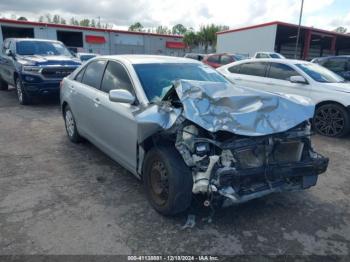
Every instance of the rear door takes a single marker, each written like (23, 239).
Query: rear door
(117, 127)
(86, 99)
(278, 76)
(251, 74)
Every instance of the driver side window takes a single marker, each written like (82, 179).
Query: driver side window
(116, 77)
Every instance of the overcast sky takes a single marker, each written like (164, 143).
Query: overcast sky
(326, 14)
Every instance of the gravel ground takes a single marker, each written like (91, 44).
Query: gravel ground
(60, 198)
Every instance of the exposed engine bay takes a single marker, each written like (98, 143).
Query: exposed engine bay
(234, 159)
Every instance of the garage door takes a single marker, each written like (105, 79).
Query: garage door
(20, 32)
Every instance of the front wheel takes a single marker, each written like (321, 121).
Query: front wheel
(167, 180)
(23, 98)
(331, 120)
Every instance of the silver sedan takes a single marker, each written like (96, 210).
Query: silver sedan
(185, 130)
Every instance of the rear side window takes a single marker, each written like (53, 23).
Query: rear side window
(79, 76)
(214, 59)
(235, 69)
(281, 71)
(116, 77)
(93, 73)
(253, 69)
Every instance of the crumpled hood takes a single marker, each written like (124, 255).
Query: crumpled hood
(224, 107)
(39, 60)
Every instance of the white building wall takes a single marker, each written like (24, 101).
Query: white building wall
(116, 42)
(248, 41)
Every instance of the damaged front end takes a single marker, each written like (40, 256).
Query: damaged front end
(240, 144)
(236, 168)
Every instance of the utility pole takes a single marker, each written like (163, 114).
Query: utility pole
(99, 21)
(298, 34)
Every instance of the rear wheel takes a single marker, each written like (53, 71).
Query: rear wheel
(71, 127)
(23, 98)
(332, 120)
(167, 180)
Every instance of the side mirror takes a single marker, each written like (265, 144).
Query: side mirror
(8, 52)
(121, 96)
(298, 80)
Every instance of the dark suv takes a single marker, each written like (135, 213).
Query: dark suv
(34, 66)
(338, 64)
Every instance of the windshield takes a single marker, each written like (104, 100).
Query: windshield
(275, 56)
(156, 79)
(320, 74)
(41, 48)
(86, 57)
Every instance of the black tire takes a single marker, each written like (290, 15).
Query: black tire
(176, 194)
(3, 85)
(71, 127)
(22, 96)
(331, 120)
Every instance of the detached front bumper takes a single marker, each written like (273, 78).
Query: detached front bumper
(258, 182)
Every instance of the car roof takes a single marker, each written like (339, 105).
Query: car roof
(33, 39)
(81, 53)
(151, 59)
(281, 61)
(332, 56)
(265, 52)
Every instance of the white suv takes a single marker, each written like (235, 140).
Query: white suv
(327, 90)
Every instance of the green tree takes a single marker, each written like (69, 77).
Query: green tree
(207, 35)
(56, 19)
(84, 22)
(22, 18)
(63, 21)
(179, 29)
(191, 40)
(73, 21)
(340, 29)
(93, 23)
(41, 19)
(48, 18)
(163, 30)
(136, 27)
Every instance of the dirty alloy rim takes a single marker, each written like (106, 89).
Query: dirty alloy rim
(159, 183)
(19, 91)
(329, 121)
(70, 126)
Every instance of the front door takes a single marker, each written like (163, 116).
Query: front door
(117, 126)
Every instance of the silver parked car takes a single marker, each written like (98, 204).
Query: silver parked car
(184, 129)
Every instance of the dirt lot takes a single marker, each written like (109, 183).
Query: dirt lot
(61, 198)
